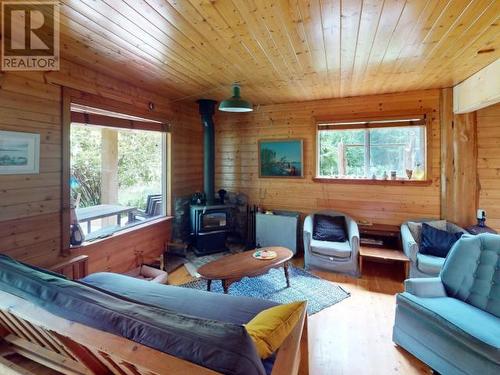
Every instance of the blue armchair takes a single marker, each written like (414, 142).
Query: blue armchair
(423, 265)
(452, 322)
(333, 256)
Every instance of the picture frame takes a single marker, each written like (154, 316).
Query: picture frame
(19, 153)
(281, 158)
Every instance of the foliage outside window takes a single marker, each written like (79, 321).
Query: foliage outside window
(357, 151)
(119, 167)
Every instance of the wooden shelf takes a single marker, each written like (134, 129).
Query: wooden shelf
(382, 255)
(368, 181)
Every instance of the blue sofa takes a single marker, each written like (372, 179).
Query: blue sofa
(452, 322)
(200, 327)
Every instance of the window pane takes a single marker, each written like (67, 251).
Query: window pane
(341, 152)
(362, 153)
(396, 149)
(116, 177)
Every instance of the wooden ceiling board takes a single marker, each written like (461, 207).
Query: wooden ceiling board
(129, 38)
(281, 50)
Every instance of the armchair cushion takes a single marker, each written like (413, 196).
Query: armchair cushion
(429, 264)
(416, 228)
(475, 328)
(437, 242)
(425, 287)
(331, 249)
(329, 228)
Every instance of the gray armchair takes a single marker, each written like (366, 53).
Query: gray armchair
(333, 256)
(423, 265)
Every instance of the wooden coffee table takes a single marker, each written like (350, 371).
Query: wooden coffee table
(232, 268)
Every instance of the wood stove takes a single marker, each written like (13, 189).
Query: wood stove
(210, 222)
(209, 227)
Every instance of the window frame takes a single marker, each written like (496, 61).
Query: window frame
(75, 97)
(369, 121)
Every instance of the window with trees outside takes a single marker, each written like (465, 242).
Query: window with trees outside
(117, 175)
(389, 149)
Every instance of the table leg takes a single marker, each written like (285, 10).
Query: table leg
(89, 227)
(209, 285)
(360, 266)
(119, 219)
(407, 270)
(225, 286)
(287, 277)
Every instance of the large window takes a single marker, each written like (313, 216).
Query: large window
(392, 149)
(117, 176)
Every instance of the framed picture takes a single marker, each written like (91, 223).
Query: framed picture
(281, 158)
(19, 153)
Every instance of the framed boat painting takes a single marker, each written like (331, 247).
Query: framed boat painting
(281, 158)
(19, 153)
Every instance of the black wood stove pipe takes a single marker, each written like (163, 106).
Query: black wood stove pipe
(207, 110)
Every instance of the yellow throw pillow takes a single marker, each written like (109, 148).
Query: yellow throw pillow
(269, 328)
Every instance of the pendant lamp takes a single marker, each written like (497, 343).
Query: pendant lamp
(235, 103)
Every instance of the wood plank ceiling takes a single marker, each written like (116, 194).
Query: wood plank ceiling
(282, 51)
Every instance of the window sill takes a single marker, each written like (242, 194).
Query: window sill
(361, 181)
(123, 232)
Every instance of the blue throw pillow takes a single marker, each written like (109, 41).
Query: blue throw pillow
(329, 228)
(437, 242)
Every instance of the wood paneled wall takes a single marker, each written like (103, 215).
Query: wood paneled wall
(488, 139)
(237, 158)
(30, 205)
(30, 226)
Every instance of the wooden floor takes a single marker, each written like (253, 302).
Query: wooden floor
(354, 336)
(351, 337)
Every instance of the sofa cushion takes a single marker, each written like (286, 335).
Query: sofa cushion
(331, 249)
(329, 228)
(437, 242)
(429, 264)
(416, 228)
(475, 328)
(223, 347)
(215, 306)
(471, 272)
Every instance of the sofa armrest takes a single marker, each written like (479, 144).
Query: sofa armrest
(308, 229)
(425, 287)
(410, 247)
(353, 233)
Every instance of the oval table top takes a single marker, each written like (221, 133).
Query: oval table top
(237, 266)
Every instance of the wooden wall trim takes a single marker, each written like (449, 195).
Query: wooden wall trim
(109, 121)
(459, 178)
(446, 150)
(65, 161)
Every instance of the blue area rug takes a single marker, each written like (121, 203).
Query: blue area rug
(319, 293)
